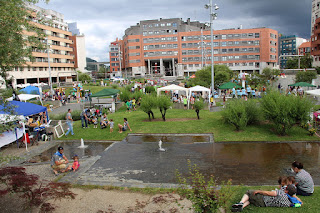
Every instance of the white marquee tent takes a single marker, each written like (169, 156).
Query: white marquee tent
(25, 97)
(199, 89)
(173, 87)
(315, 92)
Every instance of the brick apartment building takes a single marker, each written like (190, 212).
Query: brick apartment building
(61, 58)
(304, 48)
(172, 47)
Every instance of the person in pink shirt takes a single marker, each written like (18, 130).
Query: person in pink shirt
(75, 164)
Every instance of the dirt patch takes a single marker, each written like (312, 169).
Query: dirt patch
(170, 119)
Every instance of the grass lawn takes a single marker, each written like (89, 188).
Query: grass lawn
(310, 204)
(184, 121)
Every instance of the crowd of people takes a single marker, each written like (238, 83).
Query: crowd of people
(285, 195)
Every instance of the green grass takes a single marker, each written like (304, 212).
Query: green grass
(210, 122)
(310, 204)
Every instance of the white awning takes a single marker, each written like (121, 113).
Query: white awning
(25, 97)
(172, 87)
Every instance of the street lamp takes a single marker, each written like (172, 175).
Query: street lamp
(213, 16)
(50, 80)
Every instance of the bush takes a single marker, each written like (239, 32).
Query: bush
(150, 89)
(198, 105)
(306, 76)
(125, 95)
(114, 86)
(253, 111)
(203, 193)
(75, 116)
(136, 95)
(285, 111)
(148, 103)
(235, 113)
(14, 180)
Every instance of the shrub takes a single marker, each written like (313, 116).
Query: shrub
(253, 111)
(163, 103)
(114, 86)
(150, 89)
(285, 111)
(203, 194)
(235, 113)
(148, 103)
(75, 116)
(125, 95)
(306, 76)
(15, 180)
(136, 95)
(198, 105)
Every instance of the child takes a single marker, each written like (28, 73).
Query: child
(291, 181)
(75, 164)
(283, 182)
(111, 125)
(95, 122)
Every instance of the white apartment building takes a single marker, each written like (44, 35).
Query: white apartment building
(60, 56)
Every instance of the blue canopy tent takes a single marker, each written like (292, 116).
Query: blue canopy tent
(24, 108)
(31, 90)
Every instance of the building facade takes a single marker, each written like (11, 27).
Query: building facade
(116, 58)
(289, 46)
(60, 56)
(79, 48)
(315, 14)
(315, 43)
(173, 47)
(304, 48)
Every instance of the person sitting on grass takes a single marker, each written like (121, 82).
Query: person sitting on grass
(276, 198)
(104, 121)
(304, 181)
(59, 161)
(125, 126)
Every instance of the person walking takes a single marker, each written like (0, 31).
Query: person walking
(69, 123)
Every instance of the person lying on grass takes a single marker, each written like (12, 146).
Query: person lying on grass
(276, 198)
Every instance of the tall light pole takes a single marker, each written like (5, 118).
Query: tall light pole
(213, 16)
(50, 80)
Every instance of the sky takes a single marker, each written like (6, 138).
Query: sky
(102, 21)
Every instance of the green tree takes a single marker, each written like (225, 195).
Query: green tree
(148, 103)
(292, 63)
(222, 74)
(285, 111)
(198, 105)
(15, 47)
(163, 103)
(305, 76)
(83, 77)
(270, 74)
(125, 95)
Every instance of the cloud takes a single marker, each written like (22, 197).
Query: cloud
(103, 21)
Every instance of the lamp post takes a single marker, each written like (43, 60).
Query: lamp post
(213, 16)
(50, 79)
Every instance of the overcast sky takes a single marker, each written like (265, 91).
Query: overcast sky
(102, 21)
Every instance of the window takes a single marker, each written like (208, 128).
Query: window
(144, 26)
(162, 24)
(230, 35)
(244, 49)
(236, 49)
(224, 44)
(215, 58)
(190, 65)
(257, 35)
(156, 25)
(169, 38)
(236, 43)
(175, 45)
(163, 53)
(250, 34)
(163, 39)
(230, 50)
(215, 51)
(168, 24)
(244, 35)
(150, 39)
(230, 57)
(174, 24)
(184, 45)
(156, 32)
(224, 50)
(236, 57)
(184, 52)
(163, 46)
(150, 25)
(215, 44)
(230, 43)
(144, 33)
(169, 45)
(145, 40)
(196, 51)
(256, 42)
(223, 36)
(156, 39)
(174, 38)
(157, 46)
(190, 52)
(150, 32)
